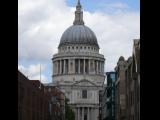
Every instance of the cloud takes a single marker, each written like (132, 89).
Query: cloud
(118, 5)
(115, 34)
(114, 8)
(40, 25)
(44, 78)
(42, 22)
(33, 72)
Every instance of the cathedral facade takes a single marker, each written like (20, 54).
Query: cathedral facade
(78, 68)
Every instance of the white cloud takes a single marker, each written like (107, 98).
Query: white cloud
(118, 5)
(40, 27)
(42, 22)
(114, 7)
(33, 72)
(115, 34)
(44, 78)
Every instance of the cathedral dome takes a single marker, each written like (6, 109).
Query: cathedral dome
(78, 34)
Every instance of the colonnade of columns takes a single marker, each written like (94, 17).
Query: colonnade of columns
(78, 66)
(85, 113)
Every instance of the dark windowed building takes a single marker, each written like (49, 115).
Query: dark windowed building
(108, 97)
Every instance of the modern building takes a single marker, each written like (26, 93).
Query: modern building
(111, 78)
(78, 68)
(108, 98)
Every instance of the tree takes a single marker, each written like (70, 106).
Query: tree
(69, 114)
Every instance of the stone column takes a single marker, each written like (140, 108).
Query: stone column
(64, 67)
(69, 66)
(55, 67)
(91, 114)
(103, 67)
(79, 66)
(94, 66)
(88, 65)
(100, 67)
(78, 114)
(74, 71)
(88, 114)
(97, 66)
(60, 67)
(84, 66)
(82, 113)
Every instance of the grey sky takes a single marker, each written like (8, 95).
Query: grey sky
(42, 22)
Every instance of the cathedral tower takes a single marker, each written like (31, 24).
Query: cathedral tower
(78, 68)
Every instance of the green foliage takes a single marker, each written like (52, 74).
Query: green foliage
(68, 111)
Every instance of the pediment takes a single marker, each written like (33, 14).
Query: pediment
(84, 83)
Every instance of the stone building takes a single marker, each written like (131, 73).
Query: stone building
(100, 104)
(33, 104)
(128, 86)
(78, 68)
(136, 76)
(120, 90)
(38, 102)
(104, 102)
(57, 106)
(133, 83)
(129, 90)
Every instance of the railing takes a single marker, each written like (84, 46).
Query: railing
(78, 54)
